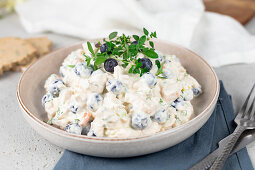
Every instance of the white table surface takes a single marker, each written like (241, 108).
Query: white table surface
(22, 148)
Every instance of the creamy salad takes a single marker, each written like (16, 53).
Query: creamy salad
(99, 92)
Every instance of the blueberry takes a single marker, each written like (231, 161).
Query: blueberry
(196, 91)
(160, 116)
(104, 48)
(82, 70)
(85, 130)
(178, 101)
(140, 121)
(46, 98)
(135, 42)
(97, 45)
(58, 81)
(55, 87)
(54, 90)
(109, 64)
(150, 79)
(146, 63)
(94, 101)
(61, 71)
(74, 128)
(114, 86)
(91, 133)
(74, 107)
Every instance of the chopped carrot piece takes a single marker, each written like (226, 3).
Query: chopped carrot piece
(85, 118)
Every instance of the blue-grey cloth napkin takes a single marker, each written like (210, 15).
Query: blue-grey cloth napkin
(179, 157)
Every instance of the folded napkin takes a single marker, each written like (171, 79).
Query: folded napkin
(219, 39)
(178, 157)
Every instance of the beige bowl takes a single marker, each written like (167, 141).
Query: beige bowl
(30, 91)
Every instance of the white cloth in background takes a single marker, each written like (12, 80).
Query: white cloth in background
(222, 40)
(219, 39)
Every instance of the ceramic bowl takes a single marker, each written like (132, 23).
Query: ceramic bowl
(30, 91)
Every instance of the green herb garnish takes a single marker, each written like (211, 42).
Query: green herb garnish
(88, 59)
(90, 49)
(157, 63)
(184, 112)
(72, 66)
(153, 34)
(100, 60)
(124, 114)
(124, 50)
(148, 98)
(136, 37)
(151, 53)
(160, 69)
(113, 35)
(77, 120)
(145, 31)
(59, 112)
(177, 118)
(151, 44)
(162, 76)
(142, 40)
(50, 122)
(168, 116)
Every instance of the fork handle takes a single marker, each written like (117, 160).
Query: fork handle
(221, 159)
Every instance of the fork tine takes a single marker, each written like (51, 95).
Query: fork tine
(249, 112)
(243, 109)
(252, 115)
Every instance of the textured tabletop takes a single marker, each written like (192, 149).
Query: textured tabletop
(22, 148)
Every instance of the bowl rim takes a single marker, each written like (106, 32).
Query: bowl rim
(62, 133)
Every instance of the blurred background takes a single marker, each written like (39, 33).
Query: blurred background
(242, 10)
(221, 31)
(212, 28)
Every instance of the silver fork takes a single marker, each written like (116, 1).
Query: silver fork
(244, 120)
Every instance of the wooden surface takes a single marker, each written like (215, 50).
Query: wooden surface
(241, 10)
